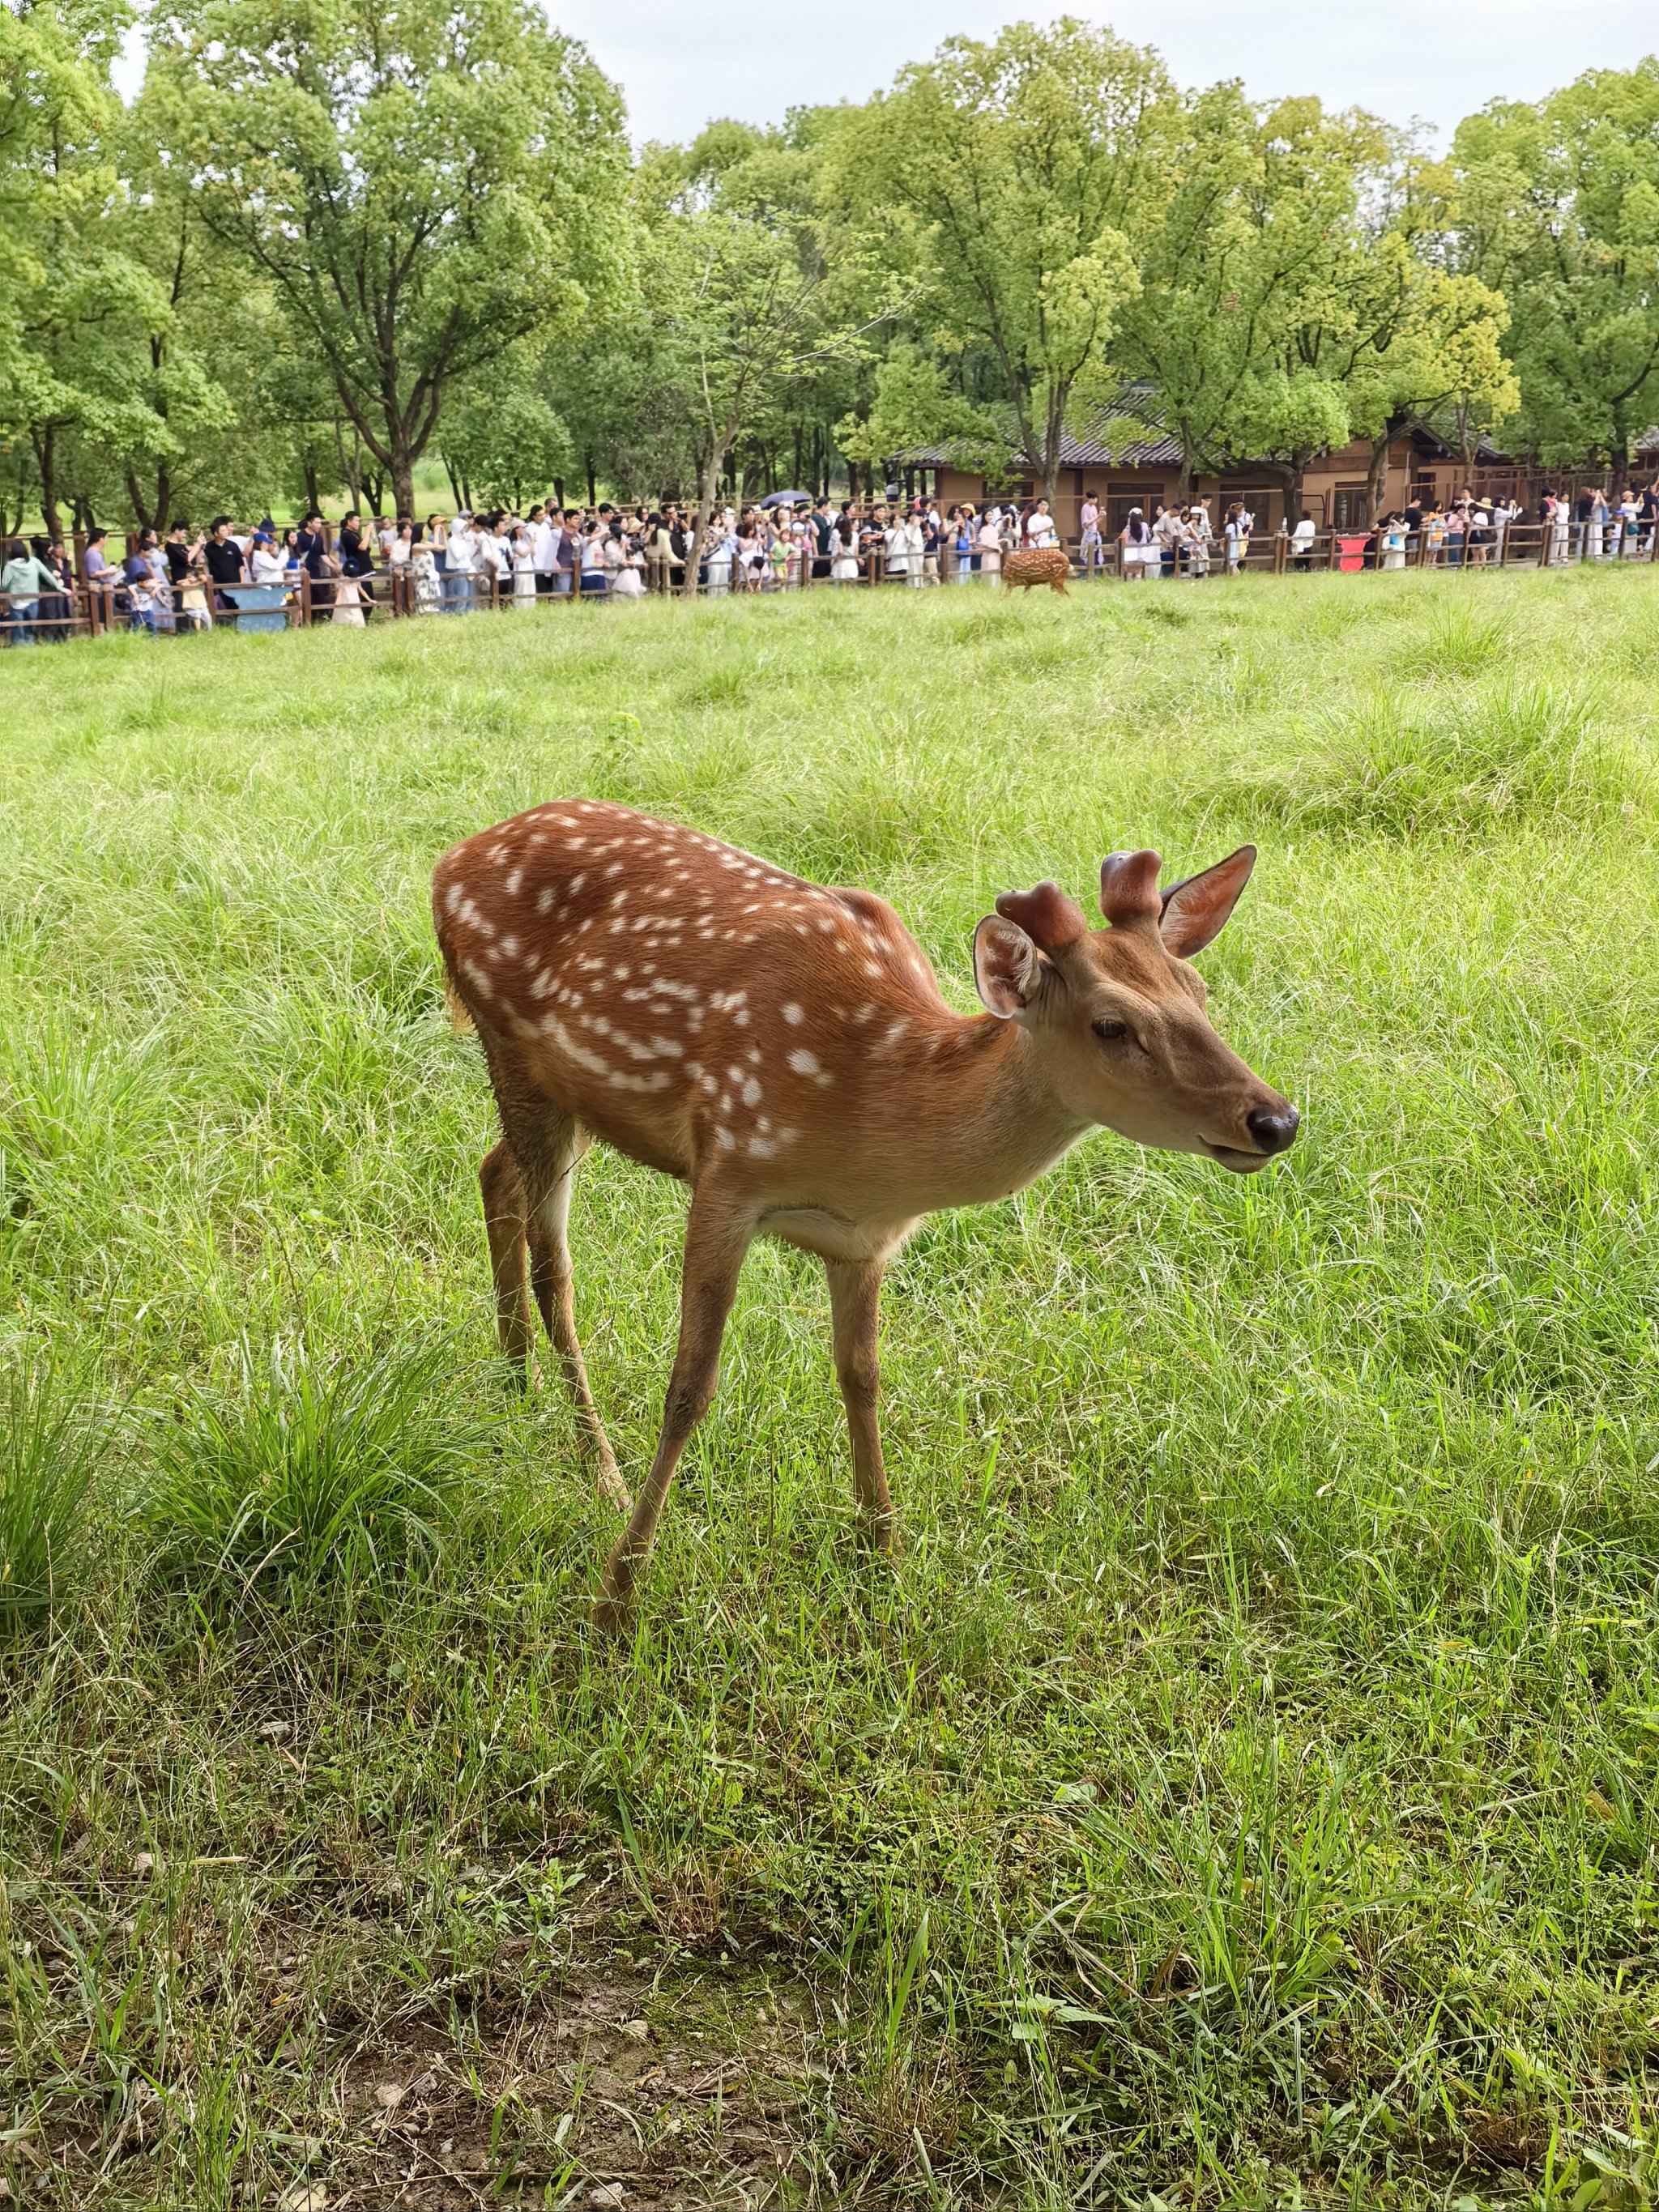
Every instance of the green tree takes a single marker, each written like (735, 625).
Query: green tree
(79, 313)
(421, 183)
(1248, 258)
(501, 443)
(1024, 172)
(753, 291)
(1559, 210)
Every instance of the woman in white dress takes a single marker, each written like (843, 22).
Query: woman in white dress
(916, 539)
(988, 540)
(1137, 549)
(629, 581)
(423, 574)
(843, 552)
(721, 551)
(524, 570)
(896, 550)
(1393, 542)
(347, 599)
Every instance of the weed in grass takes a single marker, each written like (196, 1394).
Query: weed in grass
(1407, 764)
(311, 1467)
(55, 1437)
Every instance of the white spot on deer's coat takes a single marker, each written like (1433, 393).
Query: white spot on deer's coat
(545, 899)
(726, 1140)
(751, 1092)
(760, 1149)
(560, 1032)
(807, 1063)
(452, 898)
(794, 1016)
(514, 881)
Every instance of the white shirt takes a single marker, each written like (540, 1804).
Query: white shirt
(1040, 530)
(268, 564)
(496, 552)
(896, 541)
(463, 549)
(1303, 532)
(543, 548)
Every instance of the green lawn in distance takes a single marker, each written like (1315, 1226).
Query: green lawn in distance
(1239, 1791)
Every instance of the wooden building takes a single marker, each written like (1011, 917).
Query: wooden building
(1335, 487)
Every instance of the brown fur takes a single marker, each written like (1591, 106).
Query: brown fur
(786, 1050)
(1048, 564)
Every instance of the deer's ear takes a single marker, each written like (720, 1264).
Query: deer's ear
(1008, 968)
(1197, 911)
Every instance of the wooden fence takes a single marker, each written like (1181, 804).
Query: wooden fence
(107, 606)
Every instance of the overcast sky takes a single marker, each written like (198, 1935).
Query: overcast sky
(681, 61)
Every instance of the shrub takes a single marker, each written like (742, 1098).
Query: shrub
(313, 1468)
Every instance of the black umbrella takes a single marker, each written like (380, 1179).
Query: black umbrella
(787, 499)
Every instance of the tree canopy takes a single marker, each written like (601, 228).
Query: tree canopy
(330, 237)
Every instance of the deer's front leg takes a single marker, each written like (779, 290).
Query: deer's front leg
(854, 1304)
(716, 1238)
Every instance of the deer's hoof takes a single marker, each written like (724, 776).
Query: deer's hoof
(613, 1614)
(611, 1487)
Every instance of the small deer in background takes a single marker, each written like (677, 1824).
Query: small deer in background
(1043, 564)
(786, 1051)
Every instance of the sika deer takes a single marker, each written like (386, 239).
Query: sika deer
(786, 1052)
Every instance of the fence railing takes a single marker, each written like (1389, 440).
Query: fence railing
(109, 604)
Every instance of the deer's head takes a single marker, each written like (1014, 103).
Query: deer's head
(1116, 1018)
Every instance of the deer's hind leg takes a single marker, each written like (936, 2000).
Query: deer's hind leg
(526, 1183)
(505, 1222)
(552, 1280)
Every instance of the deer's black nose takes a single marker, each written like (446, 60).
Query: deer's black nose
(1273, 1127)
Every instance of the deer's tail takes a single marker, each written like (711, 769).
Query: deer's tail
(455, 1006)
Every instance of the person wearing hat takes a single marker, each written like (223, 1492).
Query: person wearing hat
(267, 561)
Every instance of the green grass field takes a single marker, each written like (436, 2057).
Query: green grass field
(1240, 1790)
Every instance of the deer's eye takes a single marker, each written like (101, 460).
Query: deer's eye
(1109, 1032)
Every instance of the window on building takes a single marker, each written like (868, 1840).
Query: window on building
(1350, 508)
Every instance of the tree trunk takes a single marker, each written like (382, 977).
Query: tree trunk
(1288, 476)
(45, 460)
(314, 490)
(403, 480)
(707, 493)
(1376, 476)
(592, 485)
(558, 492)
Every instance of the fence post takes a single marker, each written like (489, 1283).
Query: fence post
(1330, 552)
(305, 599)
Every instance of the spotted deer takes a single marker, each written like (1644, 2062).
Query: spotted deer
(1041, 564)
(786, 1052)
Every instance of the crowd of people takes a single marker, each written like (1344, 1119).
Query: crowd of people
(185, 580)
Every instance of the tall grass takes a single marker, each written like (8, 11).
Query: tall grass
(1240, 1790)
(311, 1467)
(56, 1435)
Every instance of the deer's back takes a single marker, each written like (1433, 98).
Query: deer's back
(684, 999)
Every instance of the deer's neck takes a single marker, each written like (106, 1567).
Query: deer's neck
(973, 1114)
